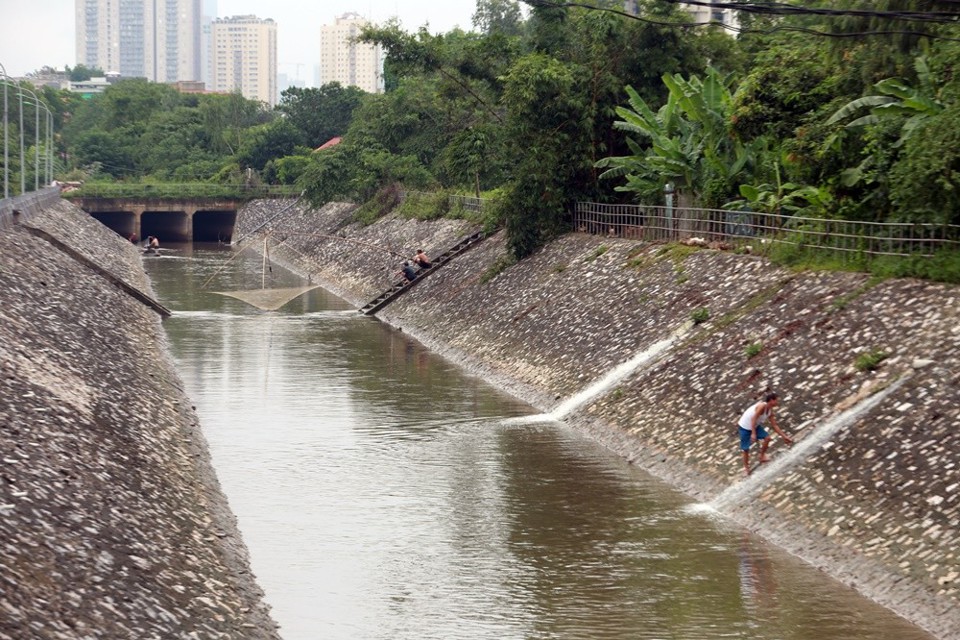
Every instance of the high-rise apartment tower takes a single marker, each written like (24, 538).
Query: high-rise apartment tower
(154, 39)
(350, 63)
(243, 57)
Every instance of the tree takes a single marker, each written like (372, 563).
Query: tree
(328, 175)
(82, 73)
(498, 16)
(136, 101)
(109, 151)
(227, 118)
(925, 181)
(549, 29)
(320, 114)
(789, 80)
(545, 127)
(269, 141)
(174, 141)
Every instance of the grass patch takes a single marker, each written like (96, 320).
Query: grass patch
(503, 263)
(596, 253)
(177, 191)
(751, 305)
(425, 206)
(637, 258)
(385, 201)
(870, 360)
(843, 301)
(753, 349)
(560, 268)
(700, 315)
(676, 252)
(943, 266)
(434, 205)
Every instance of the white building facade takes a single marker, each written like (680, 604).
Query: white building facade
(699, 12)
(154, 39)
(243, 57)
(350, 63)
(726, 17)
(208, 13)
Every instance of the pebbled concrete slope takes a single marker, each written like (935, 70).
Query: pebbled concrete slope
(876, 506)
(112, 524)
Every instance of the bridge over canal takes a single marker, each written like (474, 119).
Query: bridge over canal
(172, 212)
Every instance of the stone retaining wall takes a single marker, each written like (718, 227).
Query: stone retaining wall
(112, 523)
(876, 506)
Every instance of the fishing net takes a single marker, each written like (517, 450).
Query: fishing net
(268, 299)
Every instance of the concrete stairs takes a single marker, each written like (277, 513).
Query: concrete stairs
(403, 286)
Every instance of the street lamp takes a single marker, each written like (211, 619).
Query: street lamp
(23, 173)
(36, 145)
(6, 136)
(48, 119)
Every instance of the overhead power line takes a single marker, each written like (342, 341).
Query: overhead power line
(787, 9)
(774, 9)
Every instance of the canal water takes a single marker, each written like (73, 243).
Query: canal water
(385, 494)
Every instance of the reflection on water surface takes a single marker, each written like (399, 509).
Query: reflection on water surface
(385, 495)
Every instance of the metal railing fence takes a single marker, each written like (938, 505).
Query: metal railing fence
(650, 223)
(668, 224)
(180, 191)
(20, 208)
(467, 203)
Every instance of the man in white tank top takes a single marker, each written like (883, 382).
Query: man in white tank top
(752, 424)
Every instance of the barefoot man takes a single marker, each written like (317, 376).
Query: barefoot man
(752, 425)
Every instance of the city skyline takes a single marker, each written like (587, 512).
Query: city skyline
(28, 25)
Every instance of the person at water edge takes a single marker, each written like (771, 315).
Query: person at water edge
(407, 271)
(752, 428)
(422, 260)
(154, 242)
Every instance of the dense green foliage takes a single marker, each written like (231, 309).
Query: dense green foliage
(550, 104)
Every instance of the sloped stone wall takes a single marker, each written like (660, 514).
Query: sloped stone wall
(112, 523)
(876, 506)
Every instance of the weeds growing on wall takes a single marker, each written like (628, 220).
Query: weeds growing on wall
(419, 205)
(870, 360)
(385, 201)
(700, 316)
(843, 301)
(596, 253)
(503, 263)
(943, 266)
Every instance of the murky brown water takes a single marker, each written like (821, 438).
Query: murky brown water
(383, 494)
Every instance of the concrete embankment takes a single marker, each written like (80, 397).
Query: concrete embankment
(875, 505)
(112, 523)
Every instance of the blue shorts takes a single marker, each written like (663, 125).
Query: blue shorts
(745, 437)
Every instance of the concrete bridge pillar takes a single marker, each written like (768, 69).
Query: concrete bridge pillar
(137, 211)
(188, 221)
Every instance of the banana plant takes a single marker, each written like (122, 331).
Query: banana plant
(688, 139)
(781, 197)
(895, 99)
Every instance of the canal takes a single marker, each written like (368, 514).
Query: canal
(384, 494)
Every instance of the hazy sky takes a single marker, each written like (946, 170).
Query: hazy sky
(34, 33)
